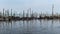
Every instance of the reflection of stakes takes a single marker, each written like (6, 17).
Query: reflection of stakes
(40, 26)
(59, 20)
(3, 25)
(27, 26)
(23, 31)
(52, 26)
(10, 26)
(40, 23)
(47, 25)
(30, 23)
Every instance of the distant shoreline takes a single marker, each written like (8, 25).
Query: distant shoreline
(12, 18)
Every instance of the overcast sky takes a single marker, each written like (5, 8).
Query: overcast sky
(35, 5)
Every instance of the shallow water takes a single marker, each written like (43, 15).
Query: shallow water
(30, 27)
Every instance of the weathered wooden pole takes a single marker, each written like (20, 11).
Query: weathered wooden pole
(27, 13)
(8, 12)
(11, 12)
(3, 12)
(52, 9)
(30, 12)
(23, 14)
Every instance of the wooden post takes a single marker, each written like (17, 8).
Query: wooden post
(11, 12)
(30, 12)
(52, 9)
(3, 12)
(23, 13)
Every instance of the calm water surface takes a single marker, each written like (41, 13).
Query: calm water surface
(30, 27)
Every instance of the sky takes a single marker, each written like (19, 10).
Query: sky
(44, 6)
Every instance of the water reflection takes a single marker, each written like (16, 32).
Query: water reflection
(30, 27)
